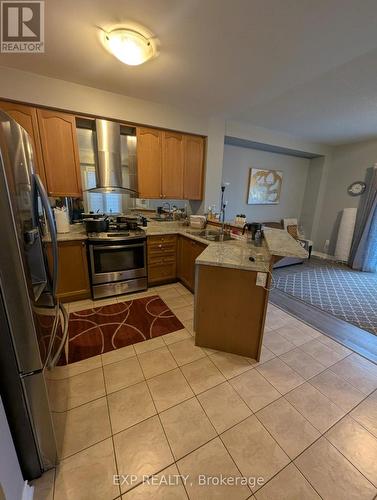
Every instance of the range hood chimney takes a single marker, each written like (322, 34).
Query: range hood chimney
(109, 177)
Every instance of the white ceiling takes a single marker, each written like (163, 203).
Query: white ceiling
(303, 67)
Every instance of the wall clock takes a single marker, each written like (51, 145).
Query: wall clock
(356, 188)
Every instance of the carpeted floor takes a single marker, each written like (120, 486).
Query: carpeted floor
(102, 329)
(335, 288)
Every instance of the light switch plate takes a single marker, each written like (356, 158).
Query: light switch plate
(261, 279)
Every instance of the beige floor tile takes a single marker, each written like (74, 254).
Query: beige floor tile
(321, 352)
(289, 484)
(81, 305)
(156, 362)
(186, 351)
(223, 406)
(335, 346)
(44, 486)
(356, 444)
(157, 489)
(77, 368)
(130, 406)
(211, 460)
(302, 363)
(81, 427)
(189, 325)
(266, 355)
(253, 449)
(175, 302)
(142, 450)
(231, 365)
(332, 475)
(169, 389)
(187, 427)
(189, 299)
(343, 394)
(254, 389)
(366, 413)
(202, 374)
(171, 338)
(68, 393)
(290, 429)
(280, 375)
(88, 474)
(295, 333)
(149, 345)
(276, 343)
(122, 374)
(118, 355)
(359, 372)
(184, 313)
(313, 405)
(169, 294)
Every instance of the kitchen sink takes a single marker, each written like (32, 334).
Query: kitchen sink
(209, 235)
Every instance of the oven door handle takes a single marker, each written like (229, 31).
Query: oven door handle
(116, 247)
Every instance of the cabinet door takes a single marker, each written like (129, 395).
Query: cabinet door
(26, 116)
(193, 167)
(172, 165)
(73, 275)
(149, 158)
(60, 153)
(188, 251)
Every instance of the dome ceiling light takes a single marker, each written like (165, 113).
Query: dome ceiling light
(130, 46)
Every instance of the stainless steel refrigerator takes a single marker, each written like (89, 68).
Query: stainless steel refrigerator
(33, 324)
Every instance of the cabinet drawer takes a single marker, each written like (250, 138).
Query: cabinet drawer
(162, 249)
(161, 272)
(164, 239)
(161, 259)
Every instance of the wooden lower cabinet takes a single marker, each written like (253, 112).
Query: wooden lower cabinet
(162, 259)
(73, 274)
(188, 251)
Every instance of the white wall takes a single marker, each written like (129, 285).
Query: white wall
(11, 480)
(236, 168)
(348, 164)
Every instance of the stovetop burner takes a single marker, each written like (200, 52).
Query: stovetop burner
(116, 233)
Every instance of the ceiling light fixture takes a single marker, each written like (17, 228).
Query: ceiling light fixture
(130, 46)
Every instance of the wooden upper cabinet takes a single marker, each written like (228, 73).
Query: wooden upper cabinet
(60, 153)
(26, 116)
(172, 165)
(193, 167)
(149, 161)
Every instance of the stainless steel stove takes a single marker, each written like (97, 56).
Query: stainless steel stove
(118, 261)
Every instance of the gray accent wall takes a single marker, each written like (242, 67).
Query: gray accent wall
(236, 167)
(349, 163)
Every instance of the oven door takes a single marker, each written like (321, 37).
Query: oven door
(110, 261)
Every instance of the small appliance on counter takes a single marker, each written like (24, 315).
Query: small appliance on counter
(254, 231)
(61, 220)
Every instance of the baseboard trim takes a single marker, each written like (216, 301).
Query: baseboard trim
(322, 255)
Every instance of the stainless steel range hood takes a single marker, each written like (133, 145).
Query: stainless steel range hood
(109, 172)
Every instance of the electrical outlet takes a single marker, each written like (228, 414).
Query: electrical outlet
(261, 279)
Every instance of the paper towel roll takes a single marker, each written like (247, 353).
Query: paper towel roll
(345, 234)
(62, 220)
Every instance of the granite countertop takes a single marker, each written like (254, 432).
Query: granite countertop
(235, 253)
(77, 232)
(232, 253)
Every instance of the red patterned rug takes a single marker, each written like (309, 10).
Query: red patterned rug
(102, 329)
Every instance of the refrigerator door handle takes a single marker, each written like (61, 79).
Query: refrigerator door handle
(56, 356)
(52, 229)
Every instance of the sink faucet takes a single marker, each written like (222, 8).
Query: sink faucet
(166, 203)
(222, 211)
